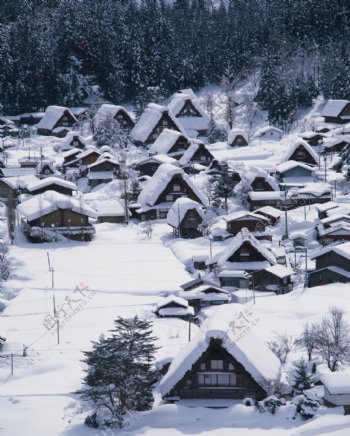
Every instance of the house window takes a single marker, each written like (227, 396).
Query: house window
(203, 366)
(231, 367)
(203, 158)
(217, 364)
(191, 220)
(169, 197)
(176, 188)
(162, 214)
(75, 143)
(65, 121)
(224, 379)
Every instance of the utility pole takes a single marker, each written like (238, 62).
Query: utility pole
(58, 331)
(285, 213)
(11, 363)
(189, 329)
(53, 292)
(48, 260)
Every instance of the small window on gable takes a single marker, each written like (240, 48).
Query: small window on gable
(169, 197)
(176, 188)
(231, 367)
(203, 366)
(216, 364)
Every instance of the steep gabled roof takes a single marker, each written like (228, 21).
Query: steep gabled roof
(165, 141)
(244, 214)
(189, 153)
(253, 354)
(109, 110)
(66, 143)
(244, 236)
(148, 121)
(305, 145)
(39, 184)
(341, 249)
(333, 108)
(52, 115)
(176, 105)
(233, 133)
(290, 164)
(179, 209)
(156, 185)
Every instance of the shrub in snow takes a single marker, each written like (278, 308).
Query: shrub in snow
(271, 404)
(302, 379)
(306, 404)
(248, 401)
(281, 346)
(120, 375)
(4, 262)
(307, 339)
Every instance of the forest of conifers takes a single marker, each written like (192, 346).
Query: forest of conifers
(52, 50)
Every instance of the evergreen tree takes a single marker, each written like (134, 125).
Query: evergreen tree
(222, 185)
(302, 379)
(120, 376)
(135, 189)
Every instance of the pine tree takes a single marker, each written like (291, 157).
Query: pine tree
(135, 189)
(302, 379)
(120, 375)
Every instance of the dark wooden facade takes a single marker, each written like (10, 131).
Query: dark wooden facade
(188, 110)
(337, 119)
(165, 122)
(114, 219)
(180, 146)
(234, 226)
(52, 187)
(266, 281)
(76, 142)
(246, 253)
(89, 159)
(239, 141)
(124, 119)
(325, 276)
(188, 227)
(147, 168)
(261, 184)
(301, 154)
(171, 305)
(202, 155)
(314, 140)
(216, 375)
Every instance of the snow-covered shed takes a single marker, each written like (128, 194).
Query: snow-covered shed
(110, 211)
(50, 215)
(237, 221)
(269, 212)
(270, 133)
(160, 192)
(336, 111)
(313, 138)
(275, 278)
(291, 171)
(154, 119)
(185, 216)
(170, 142)
(118, 113)
(72, 141)
(192, 117)
(237, 138)
(174, 307)
(225, 360)
(337, 389)
(205, 295)
(149, 165)
(56, 121)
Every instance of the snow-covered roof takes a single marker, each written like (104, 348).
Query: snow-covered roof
(269, 210)
(21, 181)
(109, 208)
(66, 142)
(105, 157)
(280, 271)
(337, 382)
(265, 195)
(165, 141)
(323, 207)
(50, 201)
(333, 108)
(310, 134)
(178, 101)
(70, 152)
(290, 164)
(233, 133)
(52, 115)
(315, 189)
(109, 110)
(39, 184)
(155, 186)
(160, 158)
(149, 119)
(249, 350)
(253, 172)
(341, 249)
(244, 214)
(305, 145)
(263, 130)
(173, 299)
(335, 217)
(244, 236)
(179, 209)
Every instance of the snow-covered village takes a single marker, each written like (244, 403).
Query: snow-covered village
(174, 218)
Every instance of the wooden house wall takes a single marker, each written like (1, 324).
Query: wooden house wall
(185, 191)
(189, 388)
(90, 159)
(202, 151)
(105, 166)
(189, 224)
(253, 225)
(53, 187)
(239, 141)
(332, 259)
(120, 219)
(60, 218)
(324, 277)
(188, 110)
(5, 190)
(180, 146)
(148, 168)
(260, 184)
(302, 155)
(124, 119)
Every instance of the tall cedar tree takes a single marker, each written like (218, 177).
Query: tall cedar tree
(119, 376)
(223, 185)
